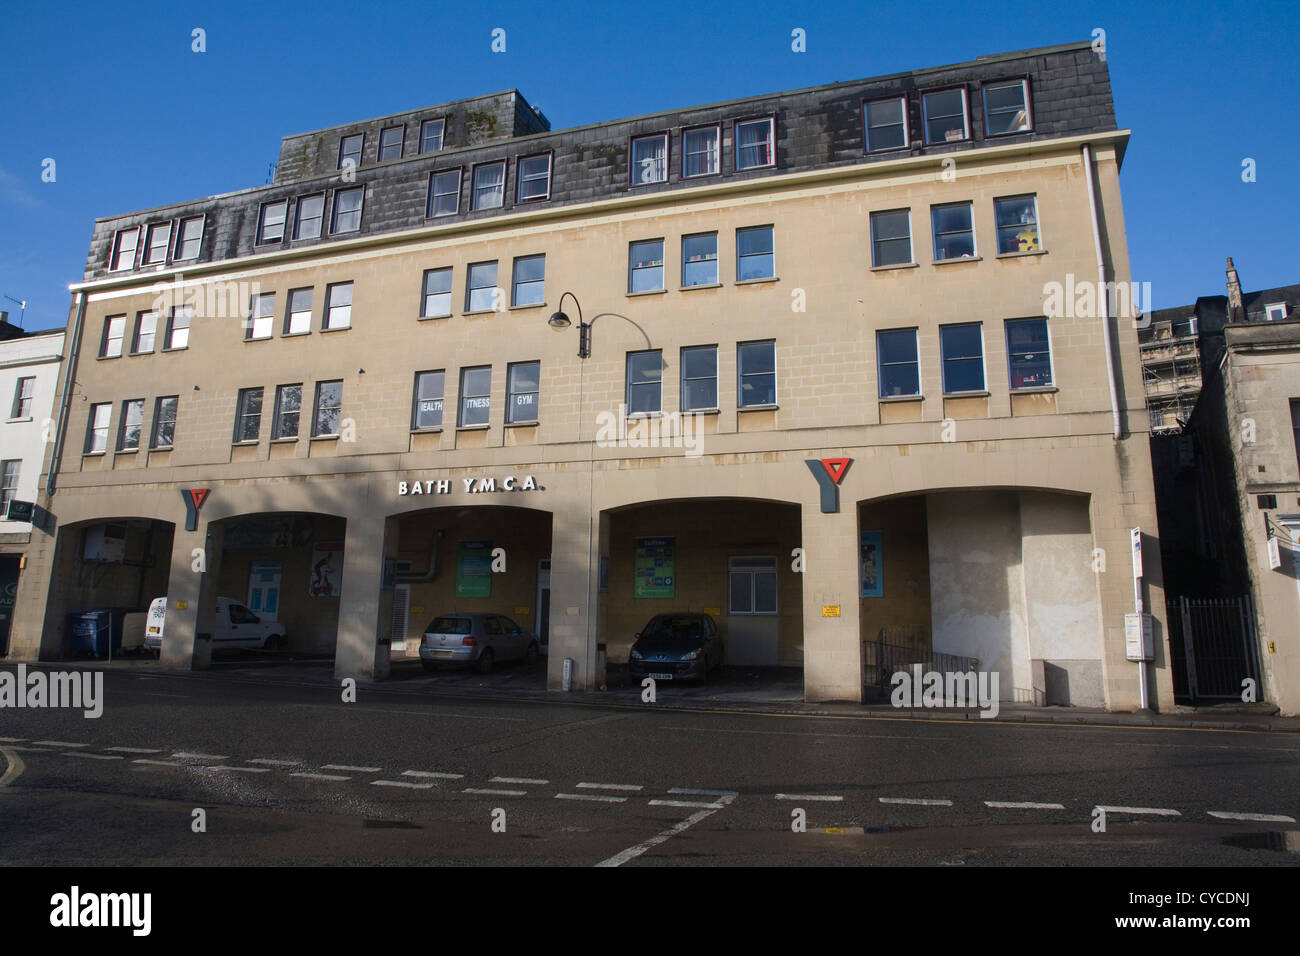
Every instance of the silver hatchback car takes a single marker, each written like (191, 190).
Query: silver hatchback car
(480, 639)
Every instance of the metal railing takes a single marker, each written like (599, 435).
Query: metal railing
(901, 647)
(1214, 641)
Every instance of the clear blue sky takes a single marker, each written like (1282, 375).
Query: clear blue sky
(134, 119)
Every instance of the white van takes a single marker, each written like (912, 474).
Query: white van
(233, 625)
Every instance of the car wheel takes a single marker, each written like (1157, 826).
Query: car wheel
(273, 643)
(530, 655)
(485, 661)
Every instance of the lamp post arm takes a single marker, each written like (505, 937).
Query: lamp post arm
(648, 343)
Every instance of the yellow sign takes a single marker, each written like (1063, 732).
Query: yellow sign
(715, 611)
(182, 605)
(417, 608)
(521, 610)
(830, 610)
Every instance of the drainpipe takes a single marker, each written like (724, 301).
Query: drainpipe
(1102, 299)
(69, 378)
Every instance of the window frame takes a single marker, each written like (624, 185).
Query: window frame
(934, 231)
(771, 230)
(415, 401)
(741, 374)
(179, 249)
(115, 249)
(473, 184)
(279, 413)
(944, 360)
(432, 195)
(93, 429)
(717, 260)
(442, 134)
(515, 282)
(628, 383)
(425, 294)
(880, 365)
(343, 151)
(1029, 109)
(299, 219)
(462, 396)
(257, 301)
(470, 288)
(770, 120)
(1268, 309)
(317, 408)
(911, 243)
(169, 339)
(327, 313)
(752, 572)
(401, 143)
(138, 330)
(155, 427)
(965, 108)
(1051, 361)
(289, 311)
(633, 179)
(1038, 223)
(120, 444)
(519, 177)
(9, 488)
(717, 132)
(17, 411)
(334, 210)
(261, 238)
(150, 230)
(867, 148)
(683, 404)
(107, 337)
(242, 414)
(632, 269)
(511, 394)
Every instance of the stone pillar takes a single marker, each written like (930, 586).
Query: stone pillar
(35, 630)
(575, 550)
(192, 596)
(361, 651)
(832, 648)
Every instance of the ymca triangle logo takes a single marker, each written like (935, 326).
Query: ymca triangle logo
(836, 467)
(198, 495)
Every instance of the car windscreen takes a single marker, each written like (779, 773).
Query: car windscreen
(674, 627)
(449, 625)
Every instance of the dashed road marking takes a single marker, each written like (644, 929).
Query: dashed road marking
(1252, 817)
(79, 753)
(610, 786)
(183, 755)
(401, 783)
(134, 750)
(240, 769)
(916, 801)
(632, 852)
(343, 766)
(1150, 811)
(691, 791)
(56, 743)
(686, 803)
(276, 763)
(157, 763)
(823, 797)
(1003, 805)
(495, 793)
(529, 780)
(319, 776)
(434, 774)
(12, 740)
(593, 797)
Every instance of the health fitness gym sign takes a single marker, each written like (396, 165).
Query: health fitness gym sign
(473, 486)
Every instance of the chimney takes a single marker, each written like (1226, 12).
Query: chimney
(1236, 312)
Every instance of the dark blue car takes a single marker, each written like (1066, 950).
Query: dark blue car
(685, 646)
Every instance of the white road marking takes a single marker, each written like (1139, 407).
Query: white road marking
(13, 769)
(825, 797)
(530, 780)
(319, 776)
(434, 774)
(799, 733)
(610, 786)
(1001, 805)
(12, 740)
(916, 801)
(401, 783)
(633, 852)
(156, 763)
(240, 769)
(594, 797)
(56, 743)
(705, 793)
(686, 803)
(182, 755)
(134, 750)
(276, 763)
(343, 766)
(1253, 817)
(495, 793)
(82, 753)
(1153, 811)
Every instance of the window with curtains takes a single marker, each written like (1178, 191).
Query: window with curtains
(146, 332)
(431, 135)
(648, 160)
(97, 427)
(489, 186)
(755, 147)
(178, 327)
(124, 244)
(444, 193)
(311, 213)
(701, 151)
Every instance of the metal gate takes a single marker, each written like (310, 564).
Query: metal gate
(1214, 641)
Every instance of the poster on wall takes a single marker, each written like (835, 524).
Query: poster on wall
(654, 568)
(474, 569)
(326, 570)
(870, 562)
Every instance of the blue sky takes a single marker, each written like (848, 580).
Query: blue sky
(134, 119)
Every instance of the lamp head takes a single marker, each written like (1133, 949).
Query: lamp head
(559, 320)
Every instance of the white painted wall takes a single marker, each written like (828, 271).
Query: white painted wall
(24, 438)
